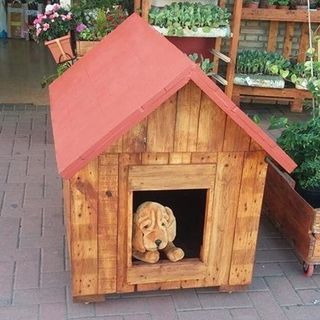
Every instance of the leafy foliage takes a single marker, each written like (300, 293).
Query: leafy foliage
(302, 142)
(205, 64)
(262, 62)
(61, 68)
(179, 16)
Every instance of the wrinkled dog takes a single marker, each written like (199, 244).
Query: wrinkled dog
(154, 229)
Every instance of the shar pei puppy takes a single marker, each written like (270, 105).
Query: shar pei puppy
(154, 229)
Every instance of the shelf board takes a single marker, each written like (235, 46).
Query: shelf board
(280, 15)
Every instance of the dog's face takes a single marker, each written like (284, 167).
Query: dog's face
(153, 227)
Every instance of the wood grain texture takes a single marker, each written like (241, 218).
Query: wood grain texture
(83, 224)
(67, 211)
(186, 129)
(235, 138)
(107, 222)
(161, 127)
(211, 126)
(288, 39)
(171, 177)
(273, 36)
(248, 216)
(304, 42)
(134, 141)
(125, 160)
(179, 157)
(225, 205)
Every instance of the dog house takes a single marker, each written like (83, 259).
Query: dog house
(135, 120)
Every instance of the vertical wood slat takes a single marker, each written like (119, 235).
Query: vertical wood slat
(161, 124)
(67, 211)
(107, 222)
(124, 161)
(211, 126)
(236, 25)
(225, 204)
(304, 42)
(273, 36)
(188, 106)
(134, 141)
(235, 138)
(288, 39)
(248, 216)
(83, 219)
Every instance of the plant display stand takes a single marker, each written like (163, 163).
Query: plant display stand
(256, 80)
(275, 16)
(205, 162)
(297, 220)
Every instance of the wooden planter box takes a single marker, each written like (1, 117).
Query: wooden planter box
(85, 46)
(295, 218)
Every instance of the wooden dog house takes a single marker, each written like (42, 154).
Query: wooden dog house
(136, 115)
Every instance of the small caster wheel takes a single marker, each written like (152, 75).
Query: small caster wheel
(308, 269)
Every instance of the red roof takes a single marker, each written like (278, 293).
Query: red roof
(118, 83)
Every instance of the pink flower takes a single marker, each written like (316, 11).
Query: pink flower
(46, 26)
(81, 27)
(56, 7)
(56, 15)
(38, 32)
(69, 16)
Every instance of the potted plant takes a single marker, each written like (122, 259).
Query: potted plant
(204, 63)
(302, 76)
(283, 4)
(251, 4)
(271, 4)
(95, 24)
(190, 20)
(257, 68)
(53, 28)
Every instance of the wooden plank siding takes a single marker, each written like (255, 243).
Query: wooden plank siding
(187, 138)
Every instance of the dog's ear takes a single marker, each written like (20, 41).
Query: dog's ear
(171, 229)
(137, 236)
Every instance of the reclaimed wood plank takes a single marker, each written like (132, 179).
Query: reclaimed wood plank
(304, 43)
(161, 127)
(179, 157)
(273, 36)
(188, 106)
(134, 141)
(289, 34)
(84, 245)
(248, 217)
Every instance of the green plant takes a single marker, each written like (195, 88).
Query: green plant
(262, 62)
(204, 63)
(179, 16)
(272, 2)
(283, 2)
(301, 141)
(61, 68)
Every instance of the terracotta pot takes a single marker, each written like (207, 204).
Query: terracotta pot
(252, 5)
(61, 49)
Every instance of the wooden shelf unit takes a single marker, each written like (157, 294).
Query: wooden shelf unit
(275, 16)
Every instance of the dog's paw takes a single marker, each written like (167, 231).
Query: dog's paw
(175, 254)
(152, 256)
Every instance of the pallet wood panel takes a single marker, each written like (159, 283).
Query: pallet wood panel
(187, 120)
(67, 211)
(273, 36)
(134, 141)
(235, 138)
(211, 121)
(84, 246)
(288, 39)
(225, 204)
(161, 125)
(304, 42)
(248, 216)
(124, 161)
(171, 177)
(107, 222)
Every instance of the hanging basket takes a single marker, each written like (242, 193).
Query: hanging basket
(61, 49)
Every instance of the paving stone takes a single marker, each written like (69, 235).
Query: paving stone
(310, 296)
(75, 310)
(55, 279)
(52, 260)
(42, 242)
(31, 226)
(19, 313)
(27, 274)
(39, 296)
(279, 255)
(186, 299)
(244, 314)
(302, 312)
(26, 254)
(6, 268)
(6, 282)
(53, 311)
(283, 291)
(133, 317)
(266, 306)
(205, 315)
(161, 308)
(267, 269)
(224, 300)
(258, 284)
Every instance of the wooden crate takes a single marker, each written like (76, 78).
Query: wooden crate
(295, 218)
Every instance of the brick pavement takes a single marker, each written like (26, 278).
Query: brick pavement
(34, 274)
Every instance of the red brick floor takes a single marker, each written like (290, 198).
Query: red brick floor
(34, 274)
